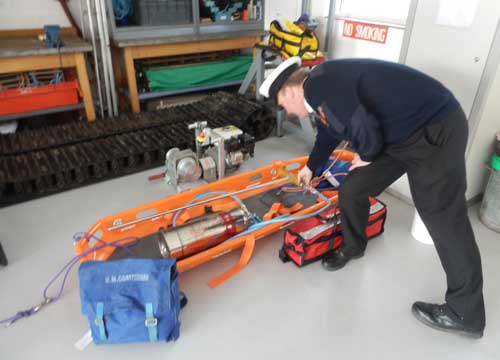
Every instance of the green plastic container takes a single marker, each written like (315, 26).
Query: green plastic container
(489, 212)
(495, 162)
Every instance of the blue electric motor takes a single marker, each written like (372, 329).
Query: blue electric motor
(53, 36)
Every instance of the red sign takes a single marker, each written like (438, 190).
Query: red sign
(364, 31)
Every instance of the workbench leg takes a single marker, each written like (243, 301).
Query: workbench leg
(83, 79)
(120, 80)
(259, 74)
(280, 118)
(117, 68)
(132, 83)
(245, 85)
(307, 127)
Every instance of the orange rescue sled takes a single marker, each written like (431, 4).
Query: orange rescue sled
(217, 218)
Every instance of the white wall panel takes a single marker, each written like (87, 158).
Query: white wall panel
(482, 140)
(278, 9)
(345, 47)
(457, 58)
(31, 14)
(381, 10)
(454, 56)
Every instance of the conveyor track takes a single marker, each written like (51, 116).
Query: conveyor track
(45, 161)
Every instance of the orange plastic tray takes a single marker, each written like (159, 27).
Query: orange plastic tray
(15, 101)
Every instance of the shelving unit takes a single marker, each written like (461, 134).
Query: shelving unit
(24, 52)
(159, 36)
(53, 110)
(190, 19)
(132, 50)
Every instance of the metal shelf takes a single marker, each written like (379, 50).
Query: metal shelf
(41, 112)
(158, 94)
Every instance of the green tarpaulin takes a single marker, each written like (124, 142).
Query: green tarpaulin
(230, 69)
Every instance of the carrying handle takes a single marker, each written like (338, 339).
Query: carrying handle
(491, 169)
(183, 299)
(246, 254)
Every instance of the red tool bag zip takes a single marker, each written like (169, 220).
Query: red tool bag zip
(309, 240)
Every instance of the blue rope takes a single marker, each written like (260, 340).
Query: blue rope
(117, 243)
(66, 269)
(122, 8)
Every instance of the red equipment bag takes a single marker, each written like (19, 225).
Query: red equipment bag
(309, 240)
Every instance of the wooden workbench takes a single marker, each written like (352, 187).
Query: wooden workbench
(134, 49)
(22, 51)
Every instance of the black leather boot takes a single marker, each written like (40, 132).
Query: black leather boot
(441, 317)
(3, 257)
(337, 259)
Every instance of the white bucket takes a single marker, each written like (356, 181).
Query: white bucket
(8, 128)
(419, 231)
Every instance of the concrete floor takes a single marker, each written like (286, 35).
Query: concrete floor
(269, 310)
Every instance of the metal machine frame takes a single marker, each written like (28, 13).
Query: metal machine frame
(194, 28)
(257, 70)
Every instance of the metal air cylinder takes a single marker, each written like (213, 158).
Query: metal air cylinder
(188, 239)
(201, 233)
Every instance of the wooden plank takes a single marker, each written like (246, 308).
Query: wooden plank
(40, 62)
(149, 51)
(83, 79)
(132, 82)
(17, 47)
(33, 33)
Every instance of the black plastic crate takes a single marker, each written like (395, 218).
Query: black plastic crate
(163, 12)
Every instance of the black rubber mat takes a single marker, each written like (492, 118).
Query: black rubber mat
(260, 204)
(44, 161)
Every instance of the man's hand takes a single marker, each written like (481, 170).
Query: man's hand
(305, 175)
(357, 162)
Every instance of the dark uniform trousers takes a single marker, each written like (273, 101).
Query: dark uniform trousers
(434, 158)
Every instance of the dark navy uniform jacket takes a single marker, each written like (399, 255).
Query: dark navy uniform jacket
(371, 103)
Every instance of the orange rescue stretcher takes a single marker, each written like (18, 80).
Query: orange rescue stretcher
(156, 219)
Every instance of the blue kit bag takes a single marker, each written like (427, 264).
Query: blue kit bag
(131, 300)
(340, 167)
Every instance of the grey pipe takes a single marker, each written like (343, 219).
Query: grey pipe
(201, 202)
(410, 21)
(330, 27)
(306, 7)
(109, 61)
(103, 56)
(82, 22)
(96, 62)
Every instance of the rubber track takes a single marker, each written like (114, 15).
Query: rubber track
(40, 162)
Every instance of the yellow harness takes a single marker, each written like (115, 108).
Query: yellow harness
(295, 41)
